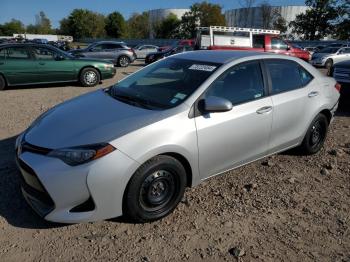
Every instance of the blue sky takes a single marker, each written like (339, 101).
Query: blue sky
(25, 10)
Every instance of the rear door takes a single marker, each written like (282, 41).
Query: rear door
(53, 66)
(230, 139)
(294, 94)
(19, 66)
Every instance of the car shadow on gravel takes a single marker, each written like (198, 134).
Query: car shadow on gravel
(37, 86)
(13, 207)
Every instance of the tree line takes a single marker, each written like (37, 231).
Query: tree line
(322, 18)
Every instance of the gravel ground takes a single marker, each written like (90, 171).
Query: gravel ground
(283, 208)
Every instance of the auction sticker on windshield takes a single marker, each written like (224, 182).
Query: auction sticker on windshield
(207, 68)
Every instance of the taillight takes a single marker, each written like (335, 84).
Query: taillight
(338, 87)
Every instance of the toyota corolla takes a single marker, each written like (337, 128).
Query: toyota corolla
(132, 149)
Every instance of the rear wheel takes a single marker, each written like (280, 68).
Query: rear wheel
(155, 189)
(329, 64)
(2, 83)
(89, 77)
(123, 61)
(315, 135)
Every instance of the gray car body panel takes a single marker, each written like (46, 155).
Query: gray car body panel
(111, 55)
(211, 143)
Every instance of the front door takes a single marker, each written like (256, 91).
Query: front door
(230, 139)
(53, 66)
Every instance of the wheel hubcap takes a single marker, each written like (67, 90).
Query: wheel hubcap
(90, 77)
(123, 61)
(157, 190)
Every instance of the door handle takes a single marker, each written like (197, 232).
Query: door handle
(264, 110)
(41, 63)
(313, 94)
(1, 63)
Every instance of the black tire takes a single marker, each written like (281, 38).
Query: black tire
(329, 64)
(315, 135)
(2, 83)
(123, 61)
(155, 189)
(89, 77)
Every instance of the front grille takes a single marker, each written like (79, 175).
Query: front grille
(34, 191)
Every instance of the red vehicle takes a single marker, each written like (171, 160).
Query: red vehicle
(183, 42)
(234, 38)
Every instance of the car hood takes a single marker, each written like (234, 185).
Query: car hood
(319, 55)
(88, 119)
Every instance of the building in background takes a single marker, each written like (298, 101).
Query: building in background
(158, 15)
(262, 16)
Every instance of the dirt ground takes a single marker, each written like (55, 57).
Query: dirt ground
(283, 208)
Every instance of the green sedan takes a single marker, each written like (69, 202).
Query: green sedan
(28, 64)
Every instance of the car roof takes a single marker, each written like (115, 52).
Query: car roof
(109, 42)
(223, 56)
(24, 44)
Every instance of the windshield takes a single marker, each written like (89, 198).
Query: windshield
(164, 84)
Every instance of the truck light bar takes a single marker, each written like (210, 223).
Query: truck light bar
(239, 29)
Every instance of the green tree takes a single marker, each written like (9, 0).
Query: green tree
(343, 25)
(12, 27)
(83, 23)
(115, 25)
(167, 28)
(138, 25)
(280, 24)
(317, 21)
(201, 14)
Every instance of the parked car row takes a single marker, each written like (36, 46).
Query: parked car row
(29, 63)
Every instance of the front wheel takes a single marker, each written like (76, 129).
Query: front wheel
(89, 77)
(155, 189)
(315, 135)
(329, 64)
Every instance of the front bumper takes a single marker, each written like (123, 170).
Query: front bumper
(55, 190)
(317, 62)
(110, 73)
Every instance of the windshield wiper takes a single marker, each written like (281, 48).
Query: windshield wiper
(133, 100)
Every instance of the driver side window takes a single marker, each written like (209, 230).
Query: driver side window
(42, 53)
(241, 83)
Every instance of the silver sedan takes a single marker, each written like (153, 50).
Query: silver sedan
(133, 148)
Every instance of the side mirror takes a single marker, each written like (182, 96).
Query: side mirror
(288, 48)
(214, 104)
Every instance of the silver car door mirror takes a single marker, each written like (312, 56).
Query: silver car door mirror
(214, 104)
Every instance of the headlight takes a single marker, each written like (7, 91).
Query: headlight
(108, 66)
(80, 155)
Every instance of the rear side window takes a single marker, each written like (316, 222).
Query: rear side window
(242, 83)
(111, 46)
(17, 53)
(285, 75)
(306, 77)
